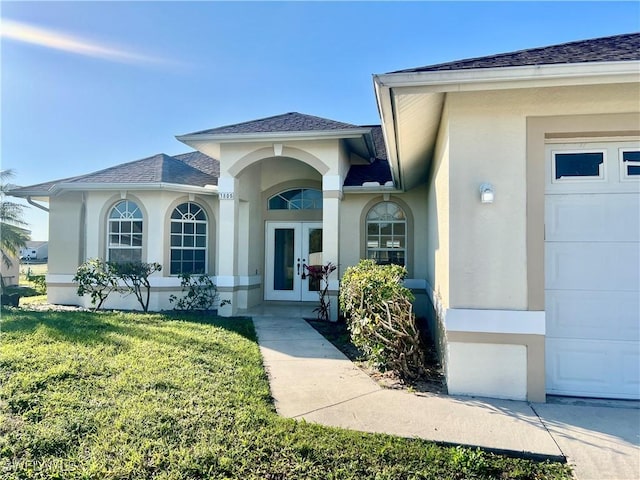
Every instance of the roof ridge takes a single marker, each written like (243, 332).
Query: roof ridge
(243, 123)
(284, 122)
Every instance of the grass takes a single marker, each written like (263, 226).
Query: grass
(135, 396)
(35, 268)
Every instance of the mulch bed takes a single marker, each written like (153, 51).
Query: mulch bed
(431, 381)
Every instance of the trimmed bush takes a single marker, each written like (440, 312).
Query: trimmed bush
(380, 317)
(96, 278)
(99, 279)
(135, 277)
(199, 293)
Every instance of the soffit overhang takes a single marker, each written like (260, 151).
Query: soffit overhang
(411, 103)
(358, 140)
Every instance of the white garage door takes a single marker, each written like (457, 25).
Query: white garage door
(592, 269)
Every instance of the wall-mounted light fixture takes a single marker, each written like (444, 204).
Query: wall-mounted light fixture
(486, 193)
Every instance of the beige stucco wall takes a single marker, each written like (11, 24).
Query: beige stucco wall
(490, 257)
(78, 231)
(437, 246)
(66, 249)
(487, 137)
(353, 211)
(156, 207)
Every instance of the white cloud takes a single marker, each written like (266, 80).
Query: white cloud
(26, 33)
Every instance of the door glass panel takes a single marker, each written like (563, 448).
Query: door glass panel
(315, 256)
(283, 259)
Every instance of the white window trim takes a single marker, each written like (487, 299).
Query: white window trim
(369, 248)
(119, 220)
(206, 238)
(624, 177)
(601, 178)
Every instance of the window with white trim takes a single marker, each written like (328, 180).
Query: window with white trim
(630, 164)
(387, 234)
(297, 199)
(188, 239)
(124, 242)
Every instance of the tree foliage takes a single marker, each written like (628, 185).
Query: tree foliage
(99, 279)
(96, 278)
(380, 317)
(199, 293)
(135, 277)
(13, 235)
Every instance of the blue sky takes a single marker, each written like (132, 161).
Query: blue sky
(88, 85)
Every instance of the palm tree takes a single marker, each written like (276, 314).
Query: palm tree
(13, 235)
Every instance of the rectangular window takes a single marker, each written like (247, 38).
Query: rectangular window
(573, 166)
(630, 164)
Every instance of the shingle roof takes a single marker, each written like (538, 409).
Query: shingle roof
(192, 168)
(606, 49)
(287, 122)
(202, 162)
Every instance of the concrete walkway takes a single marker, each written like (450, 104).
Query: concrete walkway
(311, 379)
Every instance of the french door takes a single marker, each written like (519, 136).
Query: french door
(290, 247)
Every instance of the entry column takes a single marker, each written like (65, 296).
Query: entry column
(332, 196)
(227, 260)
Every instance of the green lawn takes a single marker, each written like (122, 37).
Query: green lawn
(122, 395)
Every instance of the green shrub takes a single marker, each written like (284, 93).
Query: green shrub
(39, 281)
(96, 278)
(199, 293)
(380, 317)
(135, 277)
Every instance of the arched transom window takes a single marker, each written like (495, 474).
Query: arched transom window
(297, 199)
(125, 233)
(188, 239)
(387, 234)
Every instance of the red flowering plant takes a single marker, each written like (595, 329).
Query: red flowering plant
(320, 274)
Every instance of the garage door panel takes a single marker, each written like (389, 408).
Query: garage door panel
(593, 314)
(585, 368)
(592, 266)
(597, 217)
(592, 270)
(631, 370)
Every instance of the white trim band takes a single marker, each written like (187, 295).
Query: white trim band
(233, 281)
(495, 321)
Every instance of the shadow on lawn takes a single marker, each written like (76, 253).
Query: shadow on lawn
(113, 327)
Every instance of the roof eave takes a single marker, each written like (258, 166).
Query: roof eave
(387, 117)
(436, 84)
(174, 187)
(370, 189)
(515, 77)
(24, 193)
(270, 136)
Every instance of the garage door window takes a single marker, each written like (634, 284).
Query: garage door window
(572, 166)
(630, 164)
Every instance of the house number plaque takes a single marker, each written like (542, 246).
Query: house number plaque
(225, 195)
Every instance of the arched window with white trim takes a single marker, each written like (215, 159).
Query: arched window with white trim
(125, 224)
(188, 239)
(387, 234)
